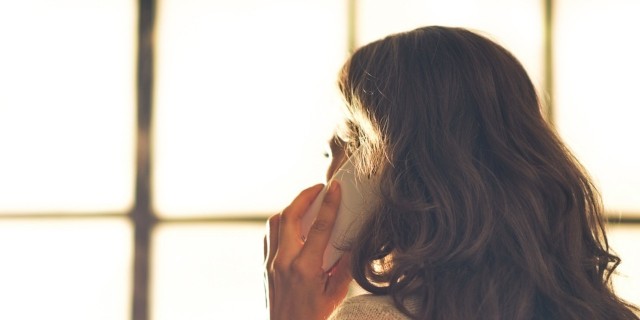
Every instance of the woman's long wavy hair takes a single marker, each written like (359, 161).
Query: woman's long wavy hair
(485, 214)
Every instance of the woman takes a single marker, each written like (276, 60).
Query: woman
(484, 213)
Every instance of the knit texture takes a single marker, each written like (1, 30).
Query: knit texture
(367, 307)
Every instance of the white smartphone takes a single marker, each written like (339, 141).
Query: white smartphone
(358, 199)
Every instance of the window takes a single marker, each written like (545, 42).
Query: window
(597, 109)
(67, 106)
(145, 142)
(239, 84)
(66, 170)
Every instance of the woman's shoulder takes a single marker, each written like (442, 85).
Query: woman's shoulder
(368, 306)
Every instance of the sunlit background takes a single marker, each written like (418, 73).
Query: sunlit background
(244, 98)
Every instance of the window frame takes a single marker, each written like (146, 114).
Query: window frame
(142, 215)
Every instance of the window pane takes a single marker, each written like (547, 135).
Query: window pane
(624, 240)
(61, 269)
(598, 111)
(246, 100)
(208, 272)
(517, 25)
(66, 105)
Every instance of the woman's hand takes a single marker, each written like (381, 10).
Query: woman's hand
(298, 288)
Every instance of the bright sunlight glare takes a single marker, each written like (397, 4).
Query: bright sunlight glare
(58, 269)
(598, 111)
(208, 272)
(243, 117)
(66, 105)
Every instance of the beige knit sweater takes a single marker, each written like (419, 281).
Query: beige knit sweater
(368, 306)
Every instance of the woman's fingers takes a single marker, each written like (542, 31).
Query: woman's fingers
(320, 231)
(297, 286)
(340, 277)
(290, 241)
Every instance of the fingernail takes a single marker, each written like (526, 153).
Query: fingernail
(333, 186)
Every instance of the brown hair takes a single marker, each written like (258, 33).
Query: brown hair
(485, 213)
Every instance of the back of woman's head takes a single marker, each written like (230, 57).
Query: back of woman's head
(485, 214)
